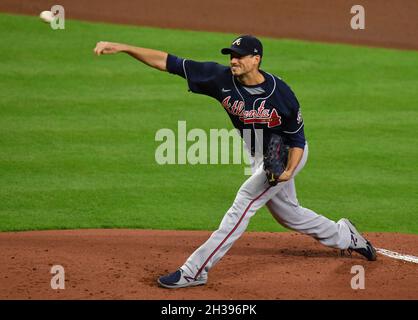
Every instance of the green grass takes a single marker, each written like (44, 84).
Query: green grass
(77, 131)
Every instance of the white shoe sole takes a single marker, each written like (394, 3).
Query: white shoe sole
(184, 285)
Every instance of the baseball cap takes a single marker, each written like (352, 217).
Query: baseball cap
(245, 45)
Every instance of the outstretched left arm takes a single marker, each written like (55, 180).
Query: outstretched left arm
(154, 58)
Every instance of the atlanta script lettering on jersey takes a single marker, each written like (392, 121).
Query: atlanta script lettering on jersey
(260, 115)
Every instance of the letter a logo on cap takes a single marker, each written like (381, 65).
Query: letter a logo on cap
(237, 42)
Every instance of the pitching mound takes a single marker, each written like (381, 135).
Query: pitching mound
(124, 264)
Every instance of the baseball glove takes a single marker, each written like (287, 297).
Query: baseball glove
(275, 158)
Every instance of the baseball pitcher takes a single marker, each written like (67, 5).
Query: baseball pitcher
(263, 105)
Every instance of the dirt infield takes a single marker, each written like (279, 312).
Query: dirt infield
(124, 264)
(388, 23)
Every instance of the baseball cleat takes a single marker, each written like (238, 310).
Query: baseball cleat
(359, 244)
(177, 279)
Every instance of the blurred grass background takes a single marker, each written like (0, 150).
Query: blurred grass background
(77, 131)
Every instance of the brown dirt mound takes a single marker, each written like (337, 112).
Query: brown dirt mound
(124, 264)
(388, 23)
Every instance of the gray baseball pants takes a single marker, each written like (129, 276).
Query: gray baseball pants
(282, 202)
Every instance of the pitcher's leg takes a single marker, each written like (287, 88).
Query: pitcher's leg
(285, 208)
(253, 194)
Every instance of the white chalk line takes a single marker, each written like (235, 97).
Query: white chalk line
(396, 255)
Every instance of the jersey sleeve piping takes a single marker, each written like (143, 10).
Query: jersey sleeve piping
(185, 74)
(293, 132)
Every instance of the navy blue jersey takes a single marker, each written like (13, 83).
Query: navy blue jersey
(271, 105)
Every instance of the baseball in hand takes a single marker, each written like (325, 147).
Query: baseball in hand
(46, 16)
